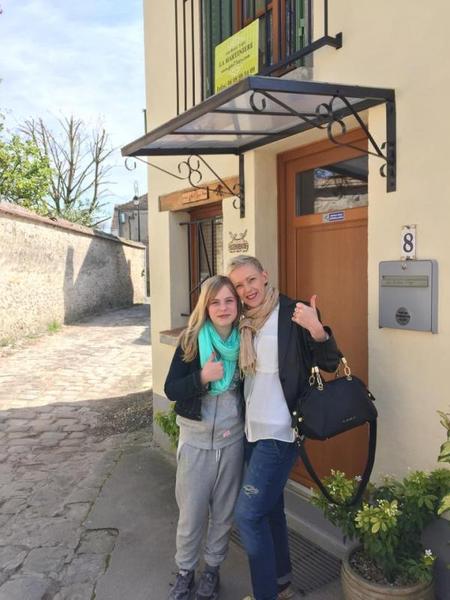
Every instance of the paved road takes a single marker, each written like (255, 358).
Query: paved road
(85, 510)
(63, 397)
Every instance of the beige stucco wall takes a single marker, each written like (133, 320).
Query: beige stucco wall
(385, 44)
(168, 240)
(390, 44)
(60, 272)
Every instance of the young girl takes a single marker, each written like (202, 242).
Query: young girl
(203, 381)
(281, 340)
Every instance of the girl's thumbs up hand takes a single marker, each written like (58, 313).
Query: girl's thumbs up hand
(212, 370)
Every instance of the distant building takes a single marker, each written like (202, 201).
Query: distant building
(130, 221)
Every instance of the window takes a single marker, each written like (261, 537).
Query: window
(281, 30)
(219, 23)
(338, 186)
(205, 247)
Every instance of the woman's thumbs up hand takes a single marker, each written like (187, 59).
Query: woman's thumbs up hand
(307, 317)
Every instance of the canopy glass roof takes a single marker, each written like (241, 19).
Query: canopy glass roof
(255, 112)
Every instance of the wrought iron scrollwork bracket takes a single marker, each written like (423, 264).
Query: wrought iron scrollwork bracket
(190, 170)
(327, 116)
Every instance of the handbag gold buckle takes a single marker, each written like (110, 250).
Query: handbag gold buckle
(316, 378)
(347, 371)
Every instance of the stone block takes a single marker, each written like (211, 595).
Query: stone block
(80, 591)
(77, 511)
(27, 588)
(13, 506)
(43, 532)
(17, 425)
(97, 541)
(45, 560)
(11, 557)
(85, 568)
(75, 427)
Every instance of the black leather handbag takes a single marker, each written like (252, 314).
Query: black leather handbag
(328, 408)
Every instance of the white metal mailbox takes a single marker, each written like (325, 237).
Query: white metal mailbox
(408, 297)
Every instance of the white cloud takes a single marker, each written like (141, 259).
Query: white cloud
(84, 58)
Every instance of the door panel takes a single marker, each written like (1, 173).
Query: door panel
(328, 259)
(339, 255)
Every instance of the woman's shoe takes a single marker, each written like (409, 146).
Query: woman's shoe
(287, 593)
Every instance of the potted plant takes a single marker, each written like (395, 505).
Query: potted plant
(444, 456)
(389, 560)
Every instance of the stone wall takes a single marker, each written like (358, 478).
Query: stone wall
(56, 271)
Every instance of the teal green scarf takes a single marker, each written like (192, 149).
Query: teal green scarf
(227, 351)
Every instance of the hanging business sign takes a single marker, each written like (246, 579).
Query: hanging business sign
(237, 57)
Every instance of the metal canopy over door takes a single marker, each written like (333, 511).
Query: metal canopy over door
(323, 250)
(260, 110)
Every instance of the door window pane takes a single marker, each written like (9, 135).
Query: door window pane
(338, 186)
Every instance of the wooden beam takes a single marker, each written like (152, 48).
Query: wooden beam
(191, 197)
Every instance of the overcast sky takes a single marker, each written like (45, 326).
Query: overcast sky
(82, 57)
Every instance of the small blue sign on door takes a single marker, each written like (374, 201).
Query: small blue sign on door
(334, 216)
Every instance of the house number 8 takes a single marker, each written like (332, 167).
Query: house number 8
(408, 245)
(408, 242)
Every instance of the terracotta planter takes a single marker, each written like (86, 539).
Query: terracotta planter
(355, 587)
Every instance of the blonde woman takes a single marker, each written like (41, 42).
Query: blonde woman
(203, 380)
(281, 340)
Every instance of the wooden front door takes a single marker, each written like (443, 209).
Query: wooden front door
(323, 250)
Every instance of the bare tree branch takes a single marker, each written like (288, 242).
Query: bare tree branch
(79, 162)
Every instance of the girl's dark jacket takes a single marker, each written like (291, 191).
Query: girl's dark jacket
(297, 353)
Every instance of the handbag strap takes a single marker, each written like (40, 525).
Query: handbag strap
(316, 379)
(364, 478)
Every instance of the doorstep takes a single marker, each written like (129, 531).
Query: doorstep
(308, 521)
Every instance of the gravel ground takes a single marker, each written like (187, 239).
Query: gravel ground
(125, 414)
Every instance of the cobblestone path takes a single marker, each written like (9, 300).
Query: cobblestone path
(59, 398)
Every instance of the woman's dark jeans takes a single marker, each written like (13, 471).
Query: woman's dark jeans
(260, 514)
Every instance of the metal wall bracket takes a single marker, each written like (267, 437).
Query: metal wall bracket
(193, 175)
(241, 197)
(327, 116)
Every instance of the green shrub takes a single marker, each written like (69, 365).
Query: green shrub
(392, 517)
(444, 456)
(167, 422)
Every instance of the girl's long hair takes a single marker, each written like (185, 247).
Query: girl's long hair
(209, 290)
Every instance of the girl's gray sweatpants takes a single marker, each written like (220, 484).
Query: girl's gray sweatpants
(207, 486)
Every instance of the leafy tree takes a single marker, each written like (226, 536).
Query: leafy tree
(78, 159)
(24, 173)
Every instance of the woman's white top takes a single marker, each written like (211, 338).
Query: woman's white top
(267, 415)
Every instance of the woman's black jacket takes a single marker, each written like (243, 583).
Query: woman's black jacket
(297, 353)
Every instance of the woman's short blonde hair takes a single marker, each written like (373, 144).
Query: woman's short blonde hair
(209, 290)
(243, 260)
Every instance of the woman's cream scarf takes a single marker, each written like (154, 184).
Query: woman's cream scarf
(253, 320)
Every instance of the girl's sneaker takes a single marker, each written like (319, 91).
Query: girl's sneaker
(183, 587)
(208, 585)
